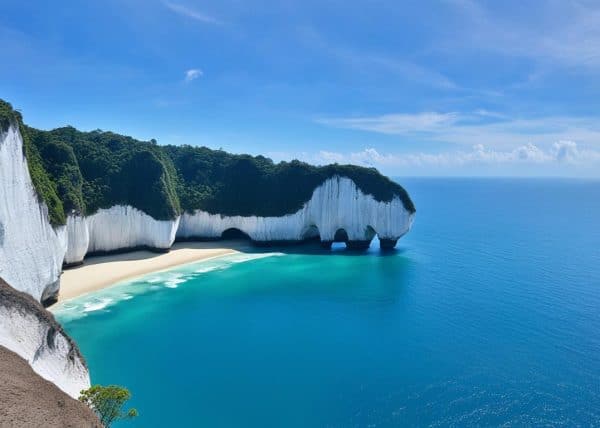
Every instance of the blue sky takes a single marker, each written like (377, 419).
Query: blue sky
(454, 87)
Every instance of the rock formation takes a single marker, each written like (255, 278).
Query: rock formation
(28, 400)
(31, 250)
(30, 331)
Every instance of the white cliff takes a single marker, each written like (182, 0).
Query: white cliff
(29, 330)
(31, 258)
(337, 204)
(127, 227)
(117, 228)
(31, 250)
(78, 239)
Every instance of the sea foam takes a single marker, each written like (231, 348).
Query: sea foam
(102, 300)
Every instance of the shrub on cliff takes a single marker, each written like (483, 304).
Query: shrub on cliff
(107, 402)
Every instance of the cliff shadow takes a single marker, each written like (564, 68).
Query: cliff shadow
(143, 253)
(316, 247)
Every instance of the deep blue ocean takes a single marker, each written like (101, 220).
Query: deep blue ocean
(488, 313)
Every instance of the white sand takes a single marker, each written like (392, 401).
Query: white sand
(103, 271)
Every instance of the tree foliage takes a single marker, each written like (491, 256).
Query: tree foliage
(228, 184)
(107, 402)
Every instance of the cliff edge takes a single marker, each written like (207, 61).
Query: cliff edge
(30, 331)
(31, 401)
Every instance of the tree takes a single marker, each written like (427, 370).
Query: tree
(107, 402)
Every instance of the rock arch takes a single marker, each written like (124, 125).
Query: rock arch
(340, 235)
(311, 233)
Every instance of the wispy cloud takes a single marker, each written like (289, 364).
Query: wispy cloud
(376, 62)
(479, 127)
(191, 13)
(193, 74)
(395, 124)
(562, 33)
(404, 68)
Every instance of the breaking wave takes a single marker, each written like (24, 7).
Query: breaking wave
(102, 300)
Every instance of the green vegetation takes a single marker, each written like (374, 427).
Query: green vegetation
(118, 170)
(219, 182)
(45, 187)
(93, 170)
(60, 162)
(107, 402)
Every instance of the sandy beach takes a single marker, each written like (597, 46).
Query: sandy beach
(102, 271)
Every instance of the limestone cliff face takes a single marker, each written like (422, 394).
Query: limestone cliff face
(78, 239)
(117, 228)
(338, 204)
(31, 258)
(31, 250)
(30, 331)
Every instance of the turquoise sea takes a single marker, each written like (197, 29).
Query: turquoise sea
(488, 313)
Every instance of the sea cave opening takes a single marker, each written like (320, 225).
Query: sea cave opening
(234, 234)
(340, 239)
(311, 234)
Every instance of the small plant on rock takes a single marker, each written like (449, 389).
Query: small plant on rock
(107, 402)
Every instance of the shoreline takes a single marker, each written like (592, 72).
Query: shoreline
(99, 272)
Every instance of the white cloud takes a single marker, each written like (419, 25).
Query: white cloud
(567, 151)
(482, 126)
(562, 154)
(191, 13)
(193, 74)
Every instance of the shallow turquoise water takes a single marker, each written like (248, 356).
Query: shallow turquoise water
(488, 313)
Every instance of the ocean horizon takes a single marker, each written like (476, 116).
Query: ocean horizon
(486, 313)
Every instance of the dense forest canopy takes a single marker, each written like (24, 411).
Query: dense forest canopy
(81, 172)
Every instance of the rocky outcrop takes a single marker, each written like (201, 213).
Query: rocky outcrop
(78, 239)
(31, 258)
(118, 228)
(30, 331)
(337, 211)
(28, 400)
(338, 206)
(31, 250)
